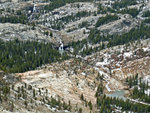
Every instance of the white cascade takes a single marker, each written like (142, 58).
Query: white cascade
(61, 47)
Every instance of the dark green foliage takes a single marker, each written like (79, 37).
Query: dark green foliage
(34, 93)
(83, 24)
(18, 12)
(135, 34)
(132, 81)
(106, 104)
(48, 33)
(123, 3)
(58, 104)
(147, 20)
(28, 99)
(104, 10)
(90, 105)
(142, 32)
(14, 19)
(16, 56)
(101, 9)
(54, 102)
(146, 14)
(29, 87)
(4, 92)
(80, 110)
(100, 90)
(106, 19)
(58, 3)
(82, 97)
(138, 93)
(26, 103)
(133, 12)
(58, 24)
(93, 38)
(5, 89)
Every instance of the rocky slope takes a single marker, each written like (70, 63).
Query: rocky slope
(71, 85)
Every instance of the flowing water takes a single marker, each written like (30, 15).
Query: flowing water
(61, 47)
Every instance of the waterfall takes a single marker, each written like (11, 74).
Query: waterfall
(61, 47)
(34, 9)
